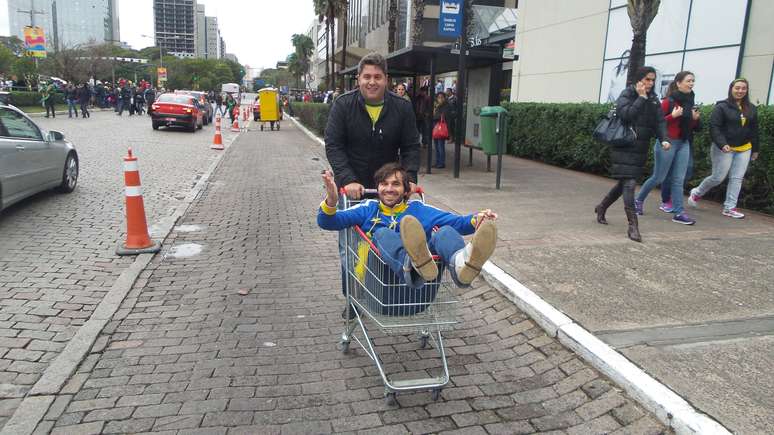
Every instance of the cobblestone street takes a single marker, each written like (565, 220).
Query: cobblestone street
(57, 255)
(241, 338)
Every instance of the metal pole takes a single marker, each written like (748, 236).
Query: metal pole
(500, 135)
(432, 104)
(460, 93)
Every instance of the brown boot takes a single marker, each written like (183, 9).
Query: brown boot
(633, 231)
(602, 208)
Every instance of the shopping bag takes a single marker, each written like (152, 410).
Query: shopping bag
(441, 130)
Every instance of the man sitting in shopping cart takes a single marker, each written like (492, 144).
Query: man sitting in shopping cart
(400, 229)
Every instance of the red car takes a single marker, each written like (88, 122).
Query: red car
(177, 109)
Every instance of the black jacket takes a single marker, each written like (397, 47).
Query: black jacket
(356, 149)
(726, 126)
(444, 109)
(645, 116)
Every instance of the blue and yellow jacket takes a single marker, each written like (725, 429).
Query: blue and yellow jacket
(371, 215)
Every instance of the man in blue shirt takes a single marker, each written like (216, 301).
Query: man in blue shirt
(401, 229)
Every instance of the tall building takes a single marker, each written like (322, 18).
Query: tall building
(212, 38)
(66, 23)
(201, 32)
(175, 26)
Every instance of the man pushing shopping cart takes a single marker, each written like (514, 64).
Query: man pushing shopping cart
(398, 253)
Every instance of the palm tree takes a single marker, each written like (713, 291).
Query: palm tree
(304, 46)
(419, 15)
(322, 9)
(641, 15)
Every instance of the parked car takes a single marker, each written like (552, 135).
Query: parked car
(202, 96)
(32, 159)
(177, 109)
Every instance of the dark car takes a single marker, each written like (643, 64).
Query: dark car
(177, 109)
(207, 110)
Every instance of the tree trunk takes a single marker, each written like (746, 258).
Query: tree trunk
(636, 56)
(392, 27)
(419, 15)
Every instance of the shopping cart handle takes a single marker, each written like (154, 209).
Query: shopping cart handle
(343, 192)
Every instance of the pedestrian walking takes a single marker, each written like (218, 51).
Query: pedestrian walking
(440, 129)
(48, 99)
(230, 105)
(139, 101)
(638, 107)
(71, 98)
(150, 97)
(124, 100)
(423, 109)
(219, 103)
(671, 165)
(734, 133)
(367, 128)
(84, 97)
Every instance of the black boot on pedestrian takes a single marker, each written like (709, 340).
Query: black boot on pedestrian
(601, 209)
(633, 231)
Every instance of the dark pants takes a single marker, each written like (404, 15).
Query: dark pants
(626, 187)
(84, 110)
(50, 107)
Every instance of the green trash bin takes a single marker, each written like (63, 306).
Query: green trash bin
(489, 130)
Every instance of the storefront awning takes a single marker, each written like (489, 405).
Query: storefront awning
(418, 59)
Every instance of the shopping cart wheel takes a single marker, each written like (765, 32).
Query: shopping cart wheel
(435, 394)
(389, 398)
(344, 347)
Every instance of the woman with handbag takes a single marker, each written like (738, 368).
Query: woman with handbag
(440, 129)
(734, 133)
(638, 107)
(671, 165)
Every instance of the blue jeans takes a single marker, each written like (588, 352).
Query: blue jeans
(666, 186)
(440, 152)
(670, 164)
(444, 242)
(733, 165)
(70, 107)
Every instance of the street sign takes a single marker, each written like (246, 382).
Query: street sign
(450, 21)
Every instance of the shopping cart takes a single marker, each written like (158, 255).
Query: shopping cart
(380, 300)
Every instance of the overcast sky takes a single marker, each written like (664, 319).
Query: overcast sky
(257, 31)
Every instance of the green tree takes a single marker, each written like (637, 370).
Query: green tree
(641, 15)
(304, 47)
(7, 59)
(25, 69)
(14, 44)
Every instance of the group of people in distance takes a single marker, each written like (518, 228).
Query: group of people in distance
(673, 121)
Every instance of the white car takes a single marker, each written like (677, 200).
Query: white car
(31, 159)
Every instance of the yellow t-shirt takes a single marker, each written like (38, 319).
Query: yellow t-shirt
(748, 145)
(373, 112)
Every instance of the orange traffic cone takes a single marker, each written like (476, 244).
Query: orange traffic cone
(138, 240)
(244, 114)
(235, 125)
(217, 141)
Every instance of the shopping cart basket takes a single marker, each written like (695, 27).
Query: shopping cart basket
(380, 300)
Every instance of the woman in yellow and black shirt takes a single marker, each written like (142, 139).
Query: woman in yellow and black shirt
(734, 132)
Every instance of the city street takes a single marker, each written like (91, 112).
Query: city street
(57, 252)
(241, 337)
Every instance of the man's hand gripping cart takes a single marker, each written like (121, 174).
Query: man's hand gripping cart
(377, 298)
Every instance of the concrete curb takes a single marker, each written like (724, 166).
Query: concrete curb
(34, 407)
(669, 408)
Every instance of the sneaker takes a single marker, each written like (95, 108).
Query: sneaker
(693, 199)
(412, 234)
(469, 260)
(733, 213)
(666, 207)
(638, 205)
(683, 218)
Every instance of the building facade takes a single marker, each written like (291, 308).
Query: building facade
(578, 51)
(212, 38)
(201, 32)
(175, 26)
(66, 23)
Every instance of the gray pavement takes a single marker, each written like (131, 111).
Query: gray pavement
(241, 337)
(57, 252)
(692, 305)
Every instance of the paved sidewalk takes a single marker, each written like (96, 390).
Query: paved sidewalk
(692, 305)
(241, 337)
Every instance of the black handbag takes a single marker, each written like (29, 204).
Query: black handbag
(613, 131)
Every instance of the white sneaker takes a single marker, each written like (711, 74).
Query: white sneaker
(693, 198)
(733, 213)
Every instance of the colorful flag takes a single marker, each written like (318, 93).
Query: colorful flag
(34, 41)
